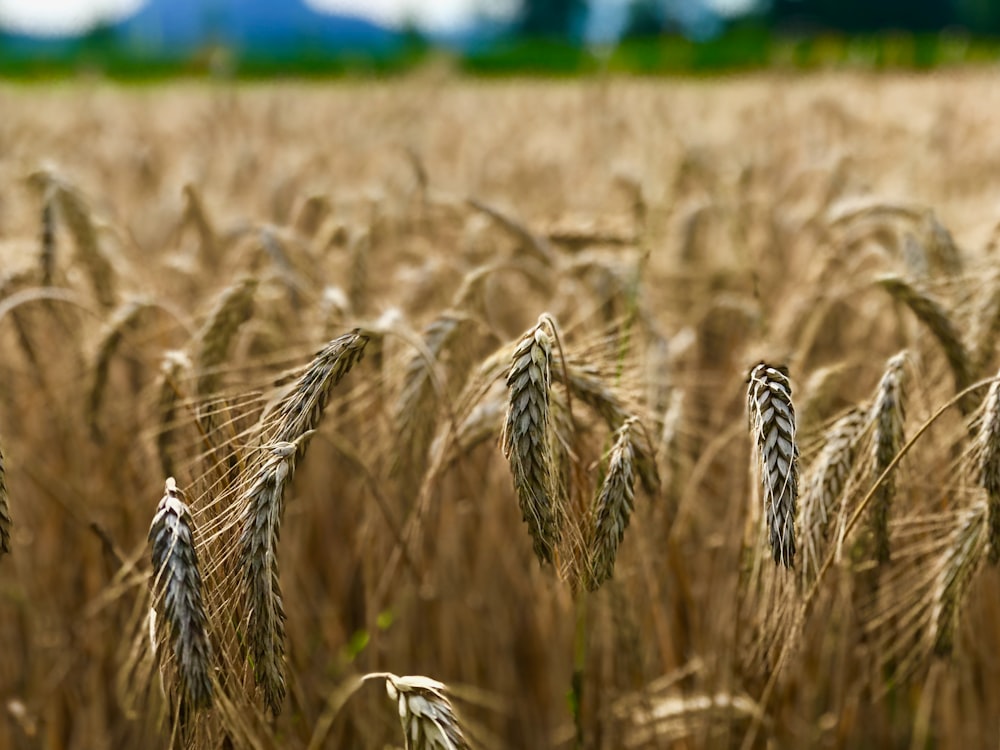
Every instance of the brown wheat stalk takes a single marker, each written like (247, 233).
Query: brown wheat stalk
(5, 522)
(772, 421)
(177, 595)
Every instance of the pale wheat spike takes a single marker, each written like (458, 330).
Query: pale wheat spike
(613, 507)
(258, 561)
(527, 433)
(172, 368)
(427, 716)
(887, 416)
(287, 430)
(772, 421)
(958, 568)
(74, 210)
(177, 595)
(232, 309)
(987, 457)
(415, 412)
(5, 522)
(123, 318)
(827, 478)
(933, 315)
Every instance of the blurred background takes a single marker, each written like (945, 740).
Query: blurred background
(150, 38)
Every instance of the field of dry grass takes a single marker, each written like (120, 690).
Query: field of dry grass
(366, 328)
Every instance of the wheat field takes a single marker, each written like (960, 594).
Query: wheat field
(618, 413)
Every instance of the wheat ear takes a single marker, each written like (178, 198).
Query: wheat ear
(124, 317)
(527, 435)
(233, 308)
(888, 416)
(75, 211)
(287, 430)
(827, 478)
(933, 315)
(987, 453)
(172, 368)
(613, 506)
(427, 716)
(958, 568)
(177, 595)
(5, 522)
(772, 421)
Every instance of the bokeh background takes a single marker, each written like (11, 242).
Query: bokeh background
(136, 38)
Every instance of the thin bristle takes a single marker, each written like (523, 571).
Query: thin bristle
(772, 417)
(958, 568)
(427, 716)
(887, 415)
(177, 595)
(613, 506)
(526, 439)
(987, 447)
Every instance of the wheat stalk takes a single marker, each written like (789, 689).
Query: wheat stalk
(47, 256)
(427, 716)
(613, 507)
(887, 416)
(527, 435)
(772, 420)
(5, 522)
(177, 595)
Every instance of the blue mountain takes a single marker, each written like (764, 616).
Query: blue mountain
(273, 27)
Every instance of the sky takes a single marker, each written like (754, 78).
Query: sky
(72, 16)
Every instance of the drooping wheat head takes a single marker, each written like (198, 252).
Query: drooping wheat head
(772, 423)
(285, 435)
(177, 595)
(613, 506)
(122, 319)
(527, 436)
(427, 716)
(887, 416)
(933, 315)
(826, 481)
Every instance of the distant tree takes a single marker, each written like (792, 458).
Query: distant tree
(562, 19)
(646, 18)
(982, 16)
(865, 15)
